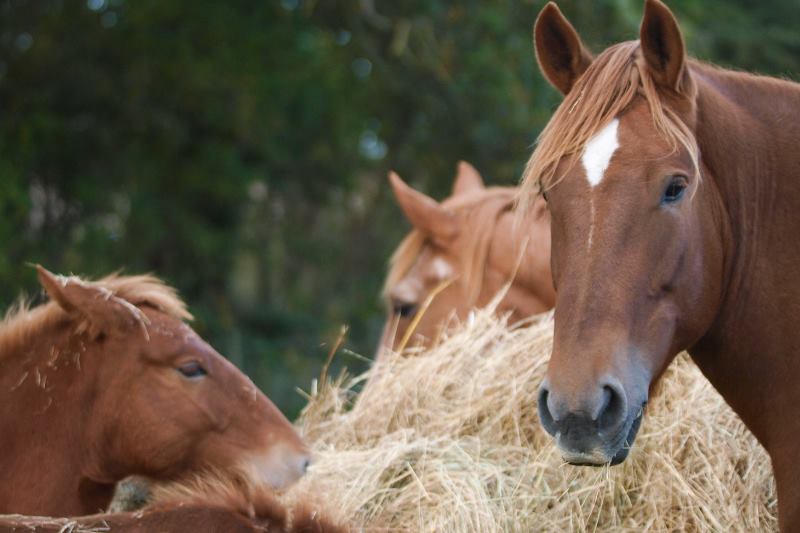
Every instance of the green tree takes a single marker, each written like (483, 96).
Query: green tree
(239, 149)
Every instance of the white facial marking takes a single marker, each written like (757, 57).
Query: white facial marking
(598, 152)
(408, 290)
(441, 268)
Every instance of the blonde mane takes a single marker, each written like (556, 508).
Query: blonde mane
(235, 492)
(607, 88)
(22, 323)
(219, 489)
(482, 210)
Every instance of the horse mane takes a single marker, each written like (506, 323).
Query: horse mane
(22, 322)
(212, 488)
(609, 86)
(235, 493)
(483, 208)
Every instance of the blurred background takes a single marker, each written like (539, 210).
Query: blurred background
(239, 150)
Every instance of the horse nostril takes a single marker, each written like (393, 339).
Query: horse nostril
(545, 411)
(612, 408)
(305, 466)
(605, 400)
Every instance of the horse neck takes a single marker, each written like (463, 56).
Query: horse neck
(47, 402)
(748, 135)
(528, 269)
(748, 139)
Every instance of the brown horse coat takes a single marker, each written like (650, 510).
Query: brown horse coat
(675, 203)
(107, 381)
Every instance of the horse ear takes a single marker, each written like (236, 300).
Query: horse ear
(104, 312)
(424, 213)
(467, 179)
(559, 50)
(662, 45)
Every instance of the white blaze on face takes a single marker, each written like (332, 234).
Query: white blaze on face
(591, 223)
(598, 152)
(441, 269)
(596, 158)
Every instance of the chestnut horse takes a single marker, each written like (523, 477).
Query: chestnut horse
(107, 381)
(674, 196)
(466, 247)
(203, 503)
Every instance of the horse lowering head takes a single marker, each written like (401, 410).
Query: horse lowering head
(166, 401)
(636, 254)
(460, 253)
(131, 389)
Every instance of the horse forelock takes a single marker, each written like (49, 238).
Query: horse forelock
(146, 290)
(22, 322)
(608, 87)
(484, 206)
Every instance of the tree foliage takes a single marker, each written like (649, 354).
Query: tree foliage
(239, 149)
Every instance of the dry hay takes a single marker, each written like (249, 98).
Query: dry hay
(449, 440)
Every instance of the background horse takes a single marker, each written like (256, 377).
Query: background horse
(674, 198)
(460, 253)
(106, 381)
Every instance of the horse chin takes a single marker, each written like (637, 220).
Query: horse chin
(624, 450)
(613, 455)
(596, 458)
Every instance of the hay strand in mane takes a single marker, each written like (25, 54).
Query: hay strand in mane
(23, 322)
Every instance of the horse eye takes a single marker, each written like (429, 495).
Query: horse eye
(404, 309)
(192, 370)
(674, 190)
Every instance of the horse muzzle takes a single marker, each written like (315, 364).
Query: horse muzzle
(593, 429)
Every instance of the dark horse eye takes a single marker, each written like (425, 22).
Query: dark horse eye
(674, 190)
(192, 369)
(404, 309)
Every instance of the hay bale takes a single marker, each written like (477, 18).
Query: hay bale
(449, 440)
